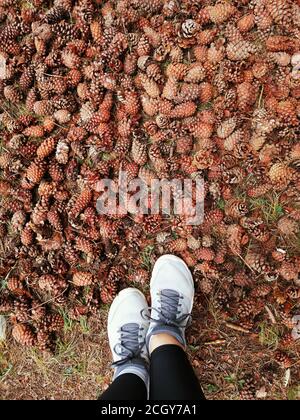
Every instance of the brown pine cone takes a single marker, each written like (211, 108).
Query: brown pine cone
(56, 172)
(44, 341)
(43, 108)
(261, 290)
(246, 308)
(288, 270)
(248, 393)
(283, 359)
(81, 202)
(14, 284)
(70, 254)
(206, 254)
(36, 171)
(24, 335)
(34, 131)
(22, 309)
(6, 304)
(139, 152)
(86, 246)
(242, 279)
(177, 245)
(27, 235)
(46, 148)
(206, 286)
(55, 220)
(12, 94)
(52, 323)
(108, 292)
(257, 262)
(83, 278)
(287, 226)
(39, 214)
(38, 310)
(116, 275)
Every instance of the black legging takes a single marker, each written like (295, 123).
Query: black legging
(171, 378)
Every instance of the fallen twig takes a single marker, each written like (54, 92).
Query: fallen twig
(215, 343)
(237, 328)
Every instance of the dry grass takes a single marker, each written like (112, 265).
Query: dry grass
(81, 368)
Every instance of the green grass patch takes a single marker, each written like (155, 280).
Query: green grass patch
(293, 393)
(269, 206)
(269, 335)
(146, 257)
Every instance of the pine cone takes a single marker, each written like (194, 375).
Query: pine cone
(240, 50)
(34, 131)
(189, 28)
(139, 152)
(177, 245)
(36, 171)
(108, 292)
(248, 393)
(280, 11)
(283, 359)
(206, 92)
(280, 173)
(14, 284)
(27, 235)
(56, 172)
(288, 271)
(246, 308)
(62, 152)
(220, 12)
(6, 304)
(287, 226)
(83, 278)
(226, 128)
(24, 335)
(236, 208)
(150, 86)
(257, 262)
(81, 202)
(116, 275)
(261, 290)
(206, 286)
(70, 254)
(84, 245)
(55, 220)
(44, 341)
(12, 94)
(184, 110)
(246, 23)
(46, 148)
(27, 78)
(205, 254)
(39, 214)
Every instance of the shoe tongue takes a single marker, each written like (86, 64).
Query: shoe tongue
(169, 303)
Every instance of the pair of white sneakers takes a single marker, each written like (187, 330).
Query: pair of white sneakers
(131, 324)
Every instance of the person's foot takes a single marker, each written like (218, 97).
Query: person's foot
(172, 294)
(127, 331)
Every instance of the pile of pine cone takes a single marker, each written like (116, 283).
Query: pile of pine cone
(160, 89)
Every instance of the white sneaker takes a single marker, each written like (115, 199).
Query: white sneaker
(127, 331)
(172, 294)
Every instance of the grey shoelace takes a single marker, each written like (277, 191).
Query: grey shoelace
(129, 346)
(169, 310)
